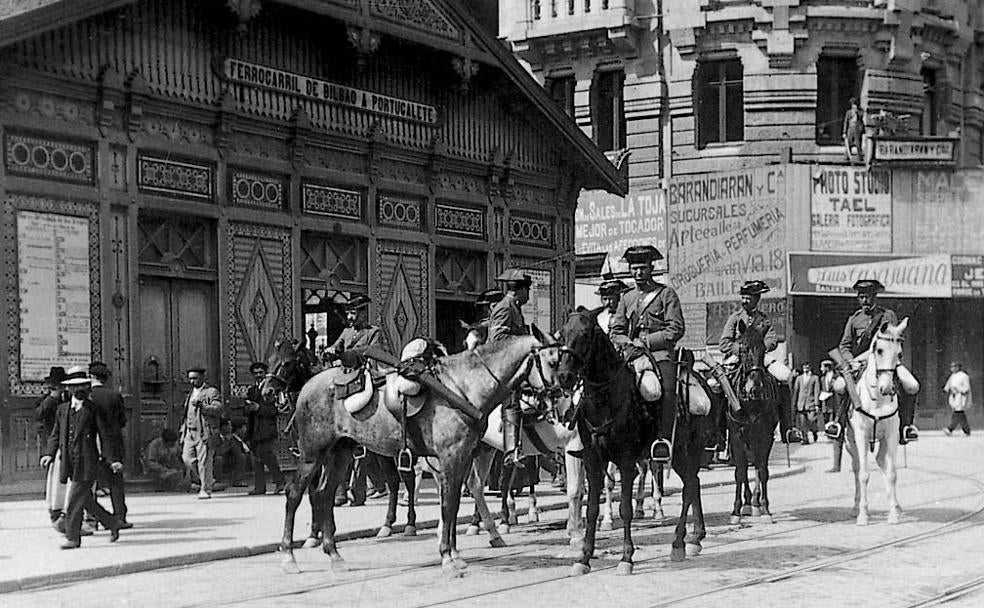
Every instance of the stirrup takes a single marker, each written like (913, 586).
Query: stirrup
(833, 430)
(404, 461)
(910, 433)
(656, 451)
(359, 452)
(794, 436)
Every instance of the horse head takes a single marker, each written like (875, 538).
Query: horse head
(290, 365)
(477, 334)
(545, 362)
(885, 355)
(751, 354)
(587, 352)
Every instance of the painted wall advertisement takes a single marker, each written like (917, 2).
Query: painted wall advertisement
(919, 276)
(968, 276)
(851, 210)
(725, 228)
(611, 224)
(537, 310)
(53, 283)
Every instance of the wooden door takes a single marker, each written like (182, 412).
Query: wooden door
(177, 331)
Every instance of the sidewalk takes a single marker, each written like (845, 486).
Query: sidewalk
(178, 529)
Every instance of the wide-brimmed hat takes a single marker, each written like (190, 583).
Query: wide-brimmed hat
(357, 301)
(612, 287)
(489, 296)
(55, 375)
(868, 286)
(753, 288)
(75, 376)
(258, 365)
(641, 254)
(516, 276)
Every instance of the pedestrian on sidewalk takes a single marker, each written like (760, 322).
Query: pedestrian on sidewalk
(262, 434)
(231, 454)
(45, 412)
(200, 429)
(806, 397)
(957, 388)
(162, 460)
(83, 436)
(110, 405)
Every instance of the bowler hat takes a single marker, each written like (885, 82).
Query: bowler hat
(98, 368)
(75, 376)
(258, 365)
(866, 286)
(642, 254)
(357, 301)
(197, 370)
(612, 287)
(55, 375)
(489, 296)
(753, 288)
(515, 275)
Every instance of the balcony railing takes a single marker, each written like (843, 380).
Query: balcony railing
(559, 17)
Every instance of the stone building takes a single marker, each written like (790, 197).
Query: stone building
(184, 182)
(731, 115)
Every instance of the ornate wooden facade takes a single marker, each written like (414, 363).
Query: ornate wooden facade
(234, 164)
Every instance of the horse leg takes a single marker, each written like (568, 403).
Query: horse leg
(508, 503)
(318, 499)
(294, 492)
(388, 468)
(596, 472)
(575, 489)
(481, 465)
(678, 551)
(886, 462)
(861, 444)
(659, 490)
(741, 482)
(852, 450)
(607, 516)
(642, 470)
(452, 475)
(694, 542)
(410, 481)
(627, 469)
(534, 511)
(762, 471)
(337, 464)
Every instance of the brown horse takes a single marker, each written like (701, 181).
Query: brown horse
(615, 427)
(327, 432)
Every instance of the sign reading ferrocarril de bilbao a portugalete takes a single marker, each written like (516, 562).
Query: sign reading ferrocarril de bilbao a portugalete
(288, 83)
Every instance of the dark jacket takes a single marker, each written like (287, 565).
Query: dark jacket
(656, 319)
(261, 425)
(44, 414)
(80, 455)
(861, 327)
(506, 319)
(110, 405)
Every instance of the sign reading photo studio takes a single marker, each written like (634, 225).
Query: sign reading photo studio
(851, 210)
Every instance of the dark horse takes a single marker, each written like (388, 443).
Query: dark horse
(752, 430)
(616, 428)
(327, 432)
(293, 365)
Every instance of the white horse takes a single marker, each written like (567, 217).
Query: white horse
(876, 422)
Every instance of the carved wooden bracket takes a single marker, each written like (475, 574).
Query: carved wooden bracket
(138, 95)
(499, 178)
(224, 122)
(300, 137)
(364, 41)
(112, 98)
(245, 10)
(466, 69)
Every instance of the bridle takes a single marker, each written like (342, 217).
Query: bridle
(894, 339)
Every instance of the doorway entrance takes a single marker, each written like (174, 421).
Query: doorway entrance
(448, 328)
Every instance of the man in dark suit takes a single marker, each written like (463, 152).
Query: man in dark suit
(110, 404)
(261, 433)
(79, 432)
(44, 414)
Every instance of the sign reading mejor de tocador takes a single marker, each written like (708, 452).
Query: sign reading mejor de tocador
(252, 74)
(607, 223)
(851, 210)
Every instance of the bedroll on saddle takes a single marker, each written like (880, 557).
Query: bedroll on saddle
(647, 378)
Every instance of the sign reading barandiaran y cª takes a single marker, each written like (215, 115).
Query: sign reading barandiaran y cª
(607, 223)
(725, 228)
(851, 210)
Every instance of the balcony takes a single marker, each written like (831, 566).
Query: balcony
(538, 29)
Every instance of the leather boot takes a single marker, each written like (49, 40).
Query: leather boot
(838, 451)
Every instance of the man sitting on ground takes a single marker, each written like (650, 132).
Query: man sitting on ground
(162, 461)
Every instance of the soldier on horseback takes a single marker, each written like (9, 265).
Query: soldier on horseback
(611, 291)
(505, 320)
(860, 329)
(646, 326)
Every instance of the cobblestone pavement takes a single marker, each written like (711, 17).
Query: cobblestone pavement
(814, 555)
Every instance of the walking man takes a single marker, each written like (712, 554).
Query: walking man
(957, 388)
(200, 429)
(110, 404)
(83, 436)
(45, 413)
(261, 433)
(806, 397)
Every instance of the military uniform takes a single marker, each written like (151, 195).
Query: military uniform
(505, 320)
(729, 335)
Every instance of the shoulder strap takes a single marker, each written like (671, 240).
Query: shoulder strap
(873, 326)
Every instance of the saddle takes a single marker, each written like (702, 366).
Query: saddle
(402, 386)
(354, 388)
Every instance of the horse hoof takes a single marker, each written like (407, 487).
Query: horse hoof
(513, 520)
(756, 511)
(384, 532)
(339, 565)
(472, 530)
(693, 549)
(862, 520)
(734, 520)
(746, 510)
(459, 563)
(678, 554)
(607, 525)
(766, 518)
(624, 569)
(450, 571)
(894, 517)
(497, 542)
(503, 528)
(577, 545)
(579, 569)
(534, 517)
(289, 565)
(638, 514)
(311, 542)
(410, 530)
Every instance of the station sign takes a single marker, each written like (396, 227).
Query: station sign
(914, 151)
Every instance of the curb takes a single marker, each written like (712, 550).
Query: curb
(48, 580)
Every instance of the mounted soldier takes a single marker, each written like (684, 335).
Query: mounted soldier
(611, 291)
(855, 342)
(506, 320)
(647, 324)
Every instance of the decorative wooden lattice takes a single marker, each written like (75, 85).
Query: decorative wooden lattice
(176, 244)
(336, 259)
(459, 272)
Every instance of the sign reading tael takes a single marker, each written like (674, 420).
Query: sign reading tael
(851, 210)
(252, 74)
